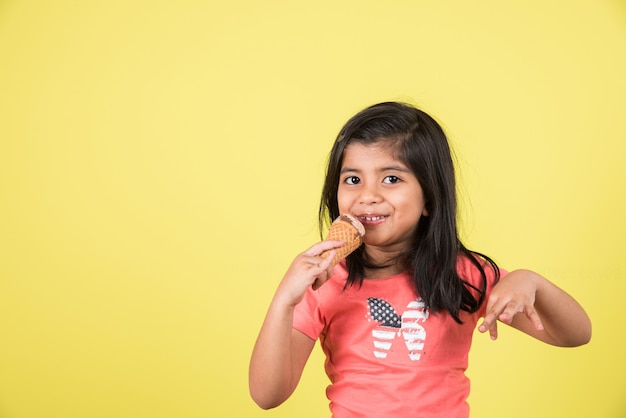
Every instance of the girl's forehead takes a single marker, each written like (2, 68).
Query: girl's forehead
(358, 151)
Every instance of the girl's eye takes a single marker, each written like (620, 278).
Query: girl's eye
(391, 179)
(352, 180)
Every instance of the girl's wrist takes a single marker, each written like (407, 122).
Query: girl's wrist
(532, 277)
(284, 301)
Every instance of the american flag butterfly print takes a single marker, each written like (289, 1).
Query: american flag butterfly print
(392, 325)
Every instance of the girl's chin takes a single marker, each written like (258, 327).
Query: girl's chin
(380, 245)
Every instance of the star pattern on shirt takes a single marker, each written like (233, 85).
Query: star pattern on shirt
(382, 311)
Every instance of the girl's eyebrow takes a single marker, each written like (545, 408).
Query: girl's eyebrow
(396, 168)
(382, 169)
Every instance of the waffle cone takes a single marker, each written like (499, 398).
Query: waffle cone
(348, 229)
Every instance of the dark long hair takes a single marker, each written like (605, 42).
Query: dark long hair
(419, 142)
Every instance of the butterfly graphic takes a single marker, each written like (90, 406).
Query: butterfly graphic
(392, 324)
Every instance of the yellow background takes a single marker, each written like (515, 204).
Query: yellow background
(161, 165)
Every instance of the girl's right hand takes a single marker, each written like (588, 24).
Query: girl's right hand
(307, 269)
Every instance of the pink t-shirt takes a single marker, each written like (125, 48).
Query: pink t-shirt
(386, 355)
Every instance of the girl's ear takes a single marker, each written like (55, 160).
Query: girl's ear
(425, 212)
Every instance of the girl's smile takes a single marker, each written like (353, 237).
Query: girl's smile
(372, 219)
(383, 193)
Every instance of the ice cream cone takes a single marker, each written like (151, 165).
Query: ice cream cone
(348, 229)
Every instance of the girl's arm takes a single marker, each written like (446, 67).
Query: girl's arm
(281, 352)
(278, 358)
(529, 302)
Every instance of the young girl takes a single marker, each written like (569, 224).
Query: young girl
(396, 318)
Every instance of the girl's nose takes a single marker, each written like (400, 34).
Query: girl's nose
(370, 195)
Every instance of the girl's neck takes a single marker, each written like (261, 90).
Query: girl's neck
(373, 274)
(393, 265)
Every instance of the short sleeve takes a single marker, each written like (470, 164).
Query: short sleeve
(307, 317)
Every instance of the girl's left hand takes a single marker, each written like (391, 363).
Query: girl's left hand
(513, 294)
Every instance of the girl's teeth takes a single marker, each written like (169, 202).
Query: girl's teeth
(372, 218)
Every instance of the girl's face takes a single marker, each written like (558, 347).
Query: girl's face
(383, 193)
